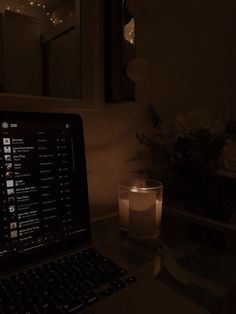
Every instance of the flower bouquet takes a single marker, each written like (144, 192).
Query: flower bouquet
(196, 161)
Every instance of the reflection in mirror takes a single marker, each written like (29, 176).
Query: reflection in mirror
(129, 31)
(40, 48)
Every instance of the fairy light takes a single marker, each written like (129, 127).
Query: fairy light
(42, 7)
(37, 5)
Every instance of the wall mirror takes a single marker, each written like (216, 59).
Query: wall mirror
(40, 48)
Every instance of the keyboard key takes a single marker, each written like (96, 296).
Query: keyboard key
(117, 284)
(115, 273)
(130, 280)
(73, 306)
(90, 298)
(66, 285)
(107, 292)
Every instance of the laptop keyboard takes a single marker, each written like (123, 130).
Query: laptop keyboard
(66, 285)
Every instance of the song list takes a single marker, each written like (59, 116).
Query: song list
(35, 186)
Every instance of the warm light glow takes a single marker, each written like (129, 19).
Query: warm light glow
(134, 189)
(37, 5)
(129, 31)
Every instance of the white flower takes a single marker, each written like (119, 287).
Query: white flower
(227, 161)
(190, 124)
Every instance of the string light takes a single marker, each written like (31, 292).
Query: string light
(40, 6)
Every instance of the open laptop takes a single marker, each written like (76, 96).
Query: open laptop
(44, 214)
(47, 264)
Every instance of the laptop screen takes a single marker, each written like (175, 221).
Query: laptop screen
(43, 197)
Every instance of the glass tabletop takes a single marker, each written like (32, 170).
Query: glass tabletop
(194, 260)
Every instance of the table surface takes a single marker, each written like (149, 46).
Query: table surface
(192, 267)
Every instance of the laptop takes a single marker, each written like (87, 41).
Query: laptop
(47, 263)
(44, 215)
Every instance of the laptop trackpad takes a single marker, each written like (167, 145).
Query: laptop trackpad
(147, 296)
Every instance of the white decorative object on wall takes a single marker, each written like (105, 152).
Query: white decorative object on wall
(137, 70)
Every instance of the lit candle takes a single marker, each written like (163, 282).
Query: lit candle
(140, 207)
(142, 213)
(124, 211)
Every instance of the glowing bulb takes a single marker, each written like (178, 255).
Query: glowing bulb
(31, 3)
(7, 8)
(47, 13)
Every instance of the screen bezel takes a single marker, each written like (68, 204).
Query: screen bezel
(84, 237)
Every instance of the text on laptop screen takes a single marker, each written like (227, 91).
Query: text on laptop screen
(37, 202)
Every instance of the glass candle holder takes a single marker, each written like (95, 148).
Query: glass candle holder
(140, 207)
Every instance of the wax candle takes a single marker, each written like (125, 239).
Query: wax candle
(124, 214)
(142, 213)
(140, 207)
